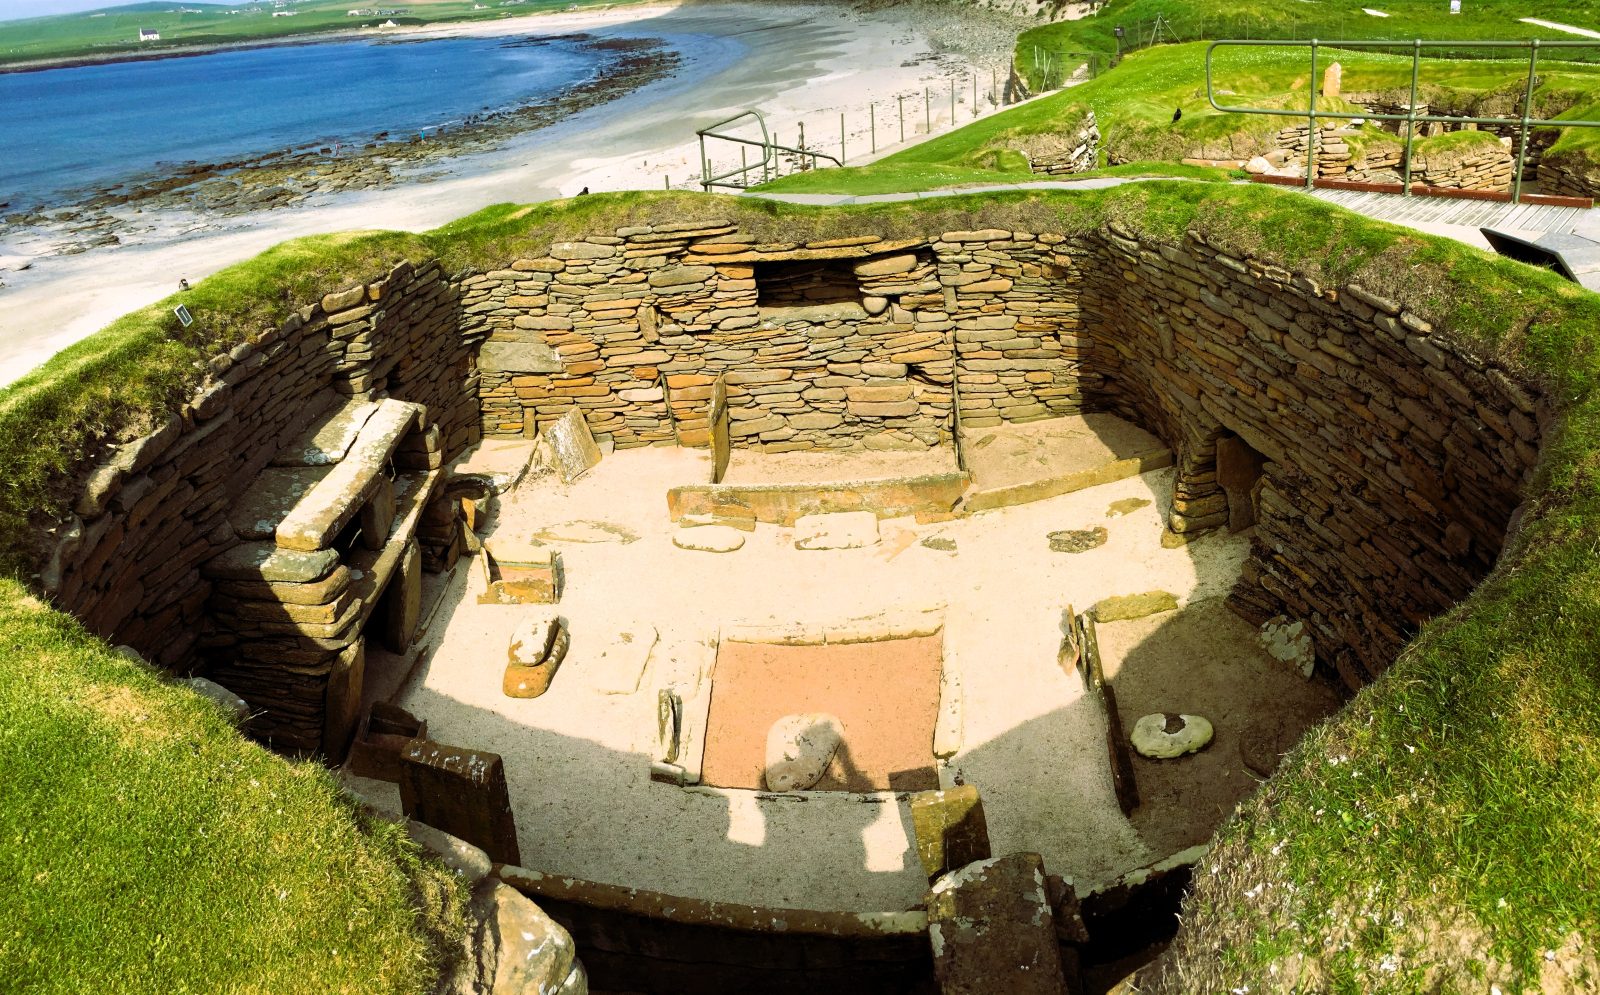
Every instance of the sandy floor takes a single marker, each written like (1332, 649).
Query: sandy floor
(796, 63)
(645, 614)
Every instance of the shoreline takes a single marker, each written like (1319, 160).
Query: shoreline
(798, 63)
(287, 176)
(310, 37)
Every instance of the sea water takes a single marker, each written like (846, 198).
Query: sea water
(68, 130)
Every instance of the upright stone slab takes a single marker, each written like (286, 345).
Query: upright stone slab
(721, 439)
(570, 445)
(992, 929)
(342, 704)
(462, 792)
(402, 601)
(950, 828)
(1332, 80)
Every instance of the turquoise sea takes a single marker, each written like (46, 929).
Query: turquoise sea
(66, 131)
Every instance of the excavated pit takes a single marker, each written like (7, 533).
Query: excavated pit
(1182, 444)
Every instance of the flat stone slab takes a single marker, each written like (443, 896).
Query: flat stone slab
(1154, 736)
(518, 357)
(265, 561)
(334, 500)
(569, 447)
(709, 538)
(1020, 463)
(844, 530)
(265, 504)
(1125, 606)
(993, 930)
(501, 462)
(329, 439)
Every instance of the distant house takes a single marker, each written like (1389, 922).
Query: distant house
(149, 34)
(284, 13)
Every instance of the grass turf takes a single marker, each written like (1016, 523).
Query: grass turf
(1454, 801)
(1133, 105)
(146, 847)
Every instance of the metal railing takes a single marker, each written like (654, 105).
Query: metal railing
(1411, 118)
(738, 179)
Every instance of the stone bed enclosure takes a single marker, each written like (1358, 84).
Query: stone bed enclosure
(283, 516)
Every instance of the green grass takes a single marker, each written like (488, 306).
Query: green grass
(1327, 20)
(146, 847)
(116, 29)
(1133, 105)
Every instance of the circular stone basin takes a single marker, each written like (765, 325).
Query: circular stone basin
(1154, 735)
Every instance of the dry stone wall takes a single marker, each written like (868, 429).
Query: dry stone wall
(1383, 465)
(1393, 461)
(837, 344)
(154, 511)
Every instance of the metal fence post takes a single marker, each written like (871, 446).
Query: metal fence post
(974, 94)
(927, 111)
(802, 145)
(872, 120)
(1311, 118)
(902, 100)
(1527, 115)
(841, 138)
(1411, 116)
(952, 101)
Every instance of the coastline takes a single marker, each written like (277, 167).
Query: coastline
(311, 37)
(798, 63)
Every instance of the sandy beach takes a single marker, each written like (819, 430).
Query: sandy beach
(800, 65)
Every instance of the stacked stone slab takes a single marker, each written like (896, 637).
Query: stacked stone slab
(151, 511)
(1394, 458)
(1075, 150)
(291, 603)
(1487, 167)
(831, 344)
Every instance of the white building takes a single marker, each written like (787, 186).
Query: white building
(149, 34)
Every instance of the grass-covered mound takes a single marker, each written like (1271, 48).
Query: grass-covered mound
(1328, 20)
(1437, 835)
(146, 847)
(1133, 105)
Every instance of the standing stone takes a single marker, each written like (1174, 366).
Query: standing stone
(950, 829)
(463, 792)
(1332, 80)
(536, 954)
(721, 440)
(992, 929)
(799, 750)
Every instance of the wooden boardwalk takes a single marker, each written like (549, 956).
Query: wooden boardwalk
(1454, 211)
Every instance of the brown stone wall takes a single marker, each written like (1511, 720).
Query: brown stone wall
(153, 510)
(1394, 461)
(644, 322)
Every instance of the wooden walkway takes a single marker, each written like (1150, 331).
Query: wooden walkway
(1453, 211)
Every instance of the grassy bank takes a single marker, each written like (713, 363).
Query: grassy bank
(114, 31)
(149, 848)
(1046, 47)
(1134, 103)
(1435, 836)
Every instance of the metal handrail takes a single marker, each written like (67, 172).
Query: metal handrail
(769, 151)
(1524, 123)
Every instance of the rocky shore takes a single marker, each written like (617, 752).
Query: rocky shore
(210, 190)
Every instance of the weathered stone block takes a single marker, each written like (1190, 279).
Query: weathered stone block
(993, 930)
(462, 792)
(950, 828)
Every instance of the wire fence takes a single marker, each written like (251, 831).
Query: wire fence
(748, 149)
